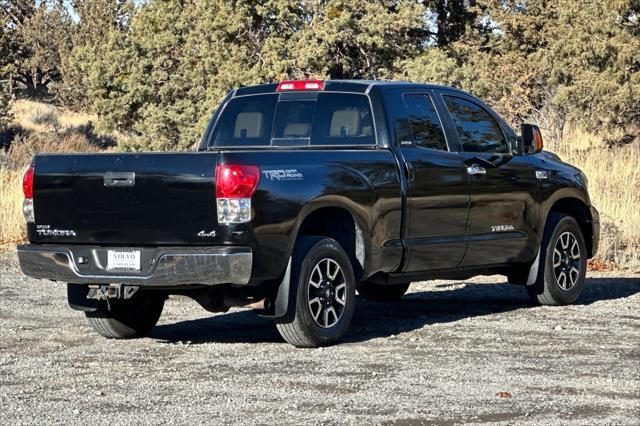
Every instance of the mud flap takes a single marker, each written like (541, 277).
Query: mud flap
(533, 270)
(284, 297)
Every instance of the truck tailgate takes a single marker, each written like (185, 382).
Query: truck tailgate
(124, 199)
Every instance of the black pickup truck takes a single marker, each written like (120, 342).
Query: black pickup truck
(302, 193)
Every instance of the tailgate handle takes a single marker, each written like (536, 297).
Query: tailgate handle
(119, 179)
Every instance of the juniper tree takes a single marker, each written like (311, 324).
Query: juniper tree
(38, 34)
(89, 34)
(548, 62)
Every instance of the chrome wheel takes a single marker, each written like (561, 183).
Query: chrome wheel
(566, 261)
(327, 294)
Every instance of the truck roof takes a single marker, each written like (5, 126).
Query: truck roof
(358, 86)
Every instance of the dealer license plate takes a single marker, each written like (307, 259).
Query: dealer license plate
(123, 260)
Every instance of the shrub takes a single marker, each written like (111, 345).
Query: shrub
(45, 115)
(24, 148)
(5, 110)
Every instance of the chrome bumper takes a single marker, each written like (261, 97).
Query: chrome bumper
(160, 266)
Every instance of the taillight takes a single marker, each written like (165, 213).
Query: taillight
(27, 182)
(27, 189)
(236, 181)
(288, 85)
(235, 184)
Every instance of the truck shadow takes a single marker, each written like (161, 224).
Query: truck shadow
(450, 302)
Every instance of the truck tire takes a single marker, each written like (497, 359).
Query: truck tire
(127, 319)
(322, 297)
(563, 262)
(382, 293)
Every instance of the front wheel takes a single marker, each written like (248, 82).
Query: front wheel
(323, 283)
(127, 319)
(563, 263)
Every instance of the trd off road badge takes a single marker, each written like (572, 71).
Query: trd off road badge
(283, 174)
(502, 228)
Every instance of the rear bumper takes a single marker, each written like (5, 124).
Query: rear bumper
(160, 266)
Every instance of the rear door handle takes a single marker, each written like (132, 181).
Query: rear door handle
(409, 171)
(475, 169)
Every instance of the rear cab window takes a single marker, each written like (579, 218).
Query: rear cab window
(332, 119)
(245, 121)
(343, 119)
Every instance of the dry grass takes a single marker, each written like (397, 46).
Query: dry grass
(39, 117)
(614, 187)
(12, 228)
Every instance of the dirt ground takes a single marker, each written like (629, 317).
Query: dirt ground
(439, 356)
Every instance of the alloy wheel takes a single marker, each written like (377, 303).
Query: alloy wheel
(327, 294)
(566, 261)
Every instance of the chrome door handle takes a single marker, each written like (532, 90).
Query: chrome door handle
(409, 170)
(541, 174)
(474, 169)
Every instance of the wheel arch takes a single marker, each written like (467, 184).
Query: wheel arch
(337, 221)
(577, 208)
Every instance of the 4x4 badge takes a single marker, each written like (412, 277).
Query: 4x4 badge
(204, 234)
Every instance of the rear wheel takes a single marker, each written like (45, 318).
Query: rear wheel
(126, 319)
(323, 283)
(383, 293)
(563, 263)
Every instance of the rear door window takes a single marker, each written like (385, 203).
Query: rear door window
(424, 122)
(477, 130)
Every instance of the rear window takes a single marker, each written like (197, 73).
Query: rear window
(246, 121)
(342, 119)
(260, 120)
(292, 124)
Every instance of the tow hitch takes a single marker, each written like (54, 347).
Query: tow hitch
(111, 291)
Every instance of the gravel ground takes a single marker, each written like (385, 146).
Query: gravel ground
(440, 355)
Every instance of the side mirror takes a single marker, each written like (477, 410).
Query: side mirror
(531, 139)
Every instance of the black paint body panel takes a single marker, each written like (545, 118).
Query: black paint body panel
(364, 182)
